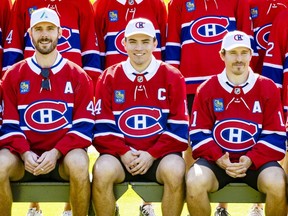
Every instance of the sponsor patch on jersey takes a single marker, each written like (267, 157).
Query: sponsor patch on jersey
(119, 96)
(31, 10)
(190, 5)
(113, 16)
(254, 12)
(218, 105)
(24, 87)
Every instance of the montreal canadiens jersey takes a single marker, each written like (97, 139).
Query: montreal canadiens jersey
(276, 59)
(145, 112)
(111, 18)
(263, 12)
(5, 10)
(77, 44)
(38, 119)
(195, 32)
(241, 120)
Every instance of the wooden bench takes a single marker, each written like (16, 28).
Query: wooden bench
(232, 193)
(52, 192)
(148, 191)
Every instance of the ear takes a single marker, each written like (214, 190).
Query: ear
(222, 55)
(30, 32)
(123, 42)
(155, 43)
(60, 31)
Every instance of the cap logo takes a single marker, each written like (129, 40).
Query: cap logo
(43, 16)
(238, 37)
(139, 25)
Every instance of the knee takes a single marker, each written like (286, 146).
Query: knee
(197, 182)
(6, 164)
(273, 182)
(172, 172)
(105, 169)
(77, 165)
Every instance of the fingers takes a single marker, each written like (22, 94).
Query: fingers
(236, 173)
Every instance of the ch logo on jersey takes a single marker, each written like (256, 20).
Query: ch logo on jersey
(63, 43)
(235, 135)
(262, 35)
(209, 30)
(46, 116)
(119, 39)
(139, 122)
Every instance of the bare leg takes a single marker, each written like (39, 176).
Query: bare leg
(171, 173)
(272, 182)
(106, 172)
(199, 181)
(189, 160)
(11, 168)
(75, 169)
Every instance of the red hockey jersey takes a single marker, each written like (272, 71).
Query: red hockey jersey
(146, 112)
(39, 120)
(263, 12)
(77, 44)
(195, 32)
(276, 59)
(5, 10)
(241, 120)
(111, 18)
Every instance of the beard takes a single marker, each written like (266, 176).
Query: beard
(45, 49)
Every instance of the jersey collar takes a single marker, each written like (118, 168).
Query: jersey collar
(56, 67)
(247, 86)
(151, 69)
(123, 2)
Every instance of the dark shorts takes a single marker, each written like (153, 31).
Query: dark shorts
(149, 176)
(52, 176)
(190, 100)
(224, 179)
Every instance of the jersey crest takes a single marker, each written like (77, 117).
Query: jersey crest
(139, 122)
(235, 134)
(46, 116)
(209, 29)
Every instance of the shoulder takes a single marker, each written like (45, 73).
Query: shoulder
(112, 71)
(266, 84)
(75, 70)
(208, 84)
(169, 69)
(16, 68)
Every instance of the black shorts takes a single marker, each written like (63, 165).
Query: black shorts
(190, 100)
(149, 176)
(224, 179)
(52, 176)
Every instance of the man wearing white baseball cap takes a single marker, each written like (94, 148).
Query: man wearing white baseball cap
(236, 39)
(46, 125)
(142, 127)
(44, 15)
(140, 26)
(237, 132)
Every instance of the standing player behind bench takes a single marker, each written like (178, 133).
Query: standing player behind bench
(237, 132)
(141, 123)
(47, 119)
